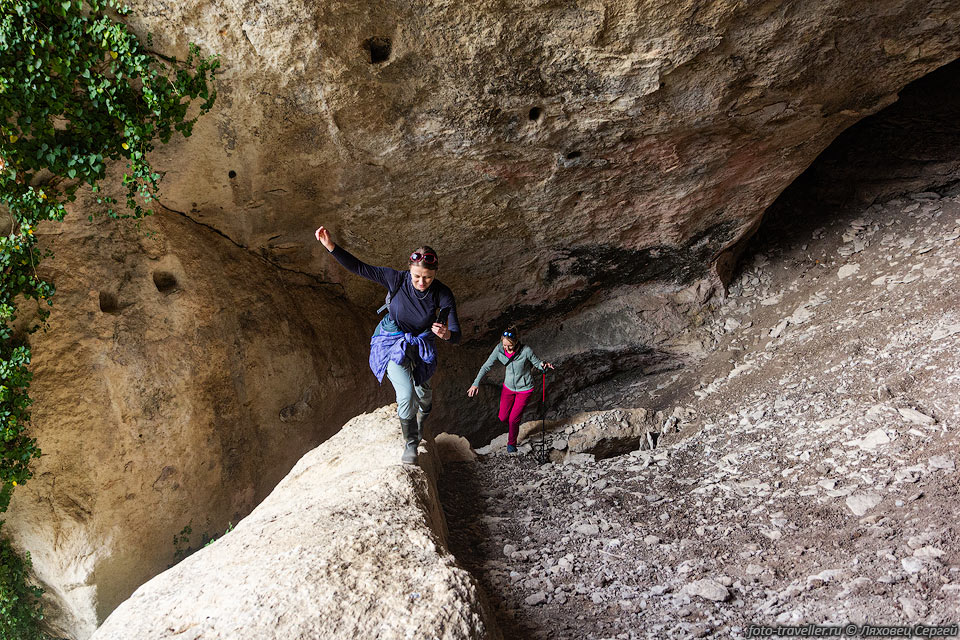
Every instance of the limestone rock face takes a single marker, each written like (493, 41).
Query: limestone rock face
(557, 155)
(180, 379)
(548, 150)
(349, 545)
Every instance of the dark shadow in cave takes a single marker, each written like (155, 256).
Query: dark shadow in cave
(594, 366)
(909, 147)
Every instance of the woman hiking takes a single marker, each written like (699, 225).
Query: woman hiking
(421, 309)
(519, 360)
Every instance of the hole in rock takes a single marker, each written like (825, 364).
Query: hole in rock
(573, 155)
(535, 113)
(232, 174)
(164, 281)
(378, 48)
(109, 302)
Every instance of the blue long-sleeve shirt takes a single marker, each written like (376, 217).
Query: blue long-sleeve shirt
(411, 310)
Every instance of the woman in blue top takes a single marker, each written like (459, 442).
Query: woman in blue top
(421, 309)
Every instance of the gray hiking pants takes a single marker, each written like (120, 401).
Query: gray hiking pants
(410, 397)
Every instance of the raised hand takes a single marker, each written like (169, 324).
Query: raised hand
(323, 237)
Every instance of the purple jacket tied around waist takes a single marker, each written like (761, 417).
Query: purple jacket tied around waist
(393, 346)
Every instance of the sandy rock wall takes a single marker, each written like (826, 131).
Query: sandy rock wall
(181, 378)
(351, 544)
(547, 150)
(556, 154)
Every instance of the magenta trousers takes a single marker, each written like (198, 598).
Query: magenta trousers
(511, 408)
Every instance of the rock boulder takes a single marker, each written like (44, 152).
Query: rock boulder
(351, 544)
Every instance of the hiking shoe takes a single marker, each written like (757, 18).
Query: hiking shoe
(409, 454)
(409, 430)
(511, 448)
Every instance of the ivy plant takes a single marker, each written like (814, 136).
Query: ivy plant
(20, 612)
(79, 93)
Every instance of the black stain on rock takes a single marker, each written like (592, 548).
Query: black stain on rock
(604, 266)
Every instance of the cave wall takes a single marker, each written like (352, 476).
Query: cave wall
(557, 154)
(180, 379)
(581, 167)
(662, 130)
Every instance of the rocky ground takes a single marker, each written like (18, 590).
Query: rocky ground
(806, 470)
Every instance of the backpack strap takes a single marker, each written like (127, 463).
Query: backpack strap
(515, 358)
(386, 303)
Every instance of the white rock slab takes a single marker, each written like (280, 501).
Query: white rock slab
(848, 270)
(914, 416)
(350, 544)
(860, 503)
(872, 440)
(707, 589)
(941, 462)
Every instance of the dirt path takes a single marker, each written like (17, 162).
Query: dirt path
(808, 476)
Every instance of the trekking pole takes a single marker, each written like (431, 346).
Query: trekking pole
(541, 448)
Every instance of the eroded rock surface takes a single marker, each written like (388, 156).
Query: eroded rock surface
(554, 154)
(161, 392)
(573, 146)
(351, 544)
(807, 472)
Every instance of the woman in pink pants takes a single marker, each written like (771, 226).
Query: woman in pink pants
(518, 360)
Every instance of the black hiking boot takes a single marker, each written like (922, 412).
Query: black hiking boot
(421, 432)
(412, 440)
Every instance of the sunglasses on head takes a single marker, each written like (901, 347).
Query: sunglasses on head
(425, 258)
(509, 334)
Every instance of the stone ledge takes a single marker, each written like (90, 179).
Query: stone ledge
(351, 544)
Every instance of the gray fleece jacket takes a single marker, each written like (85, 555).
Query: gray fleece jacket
(519, 375)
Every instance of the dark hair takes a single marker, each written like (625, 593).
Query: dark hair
(512, 329)
(426, 249)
